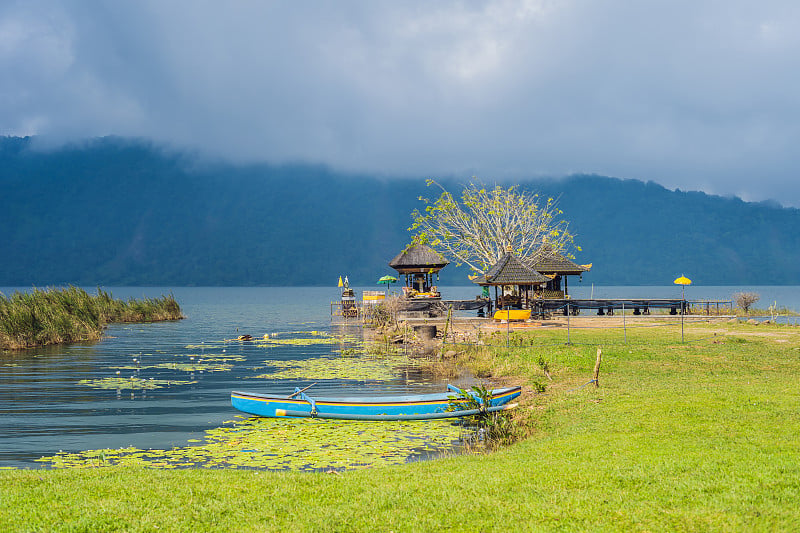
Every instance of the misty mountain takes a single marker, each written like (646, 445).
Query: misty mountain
(124, 212)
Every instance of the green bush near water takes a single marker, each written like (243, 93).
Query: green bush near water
(58, 316)
(694, 436)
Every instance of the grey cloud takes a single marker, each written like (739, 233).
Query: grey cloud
(689, 94)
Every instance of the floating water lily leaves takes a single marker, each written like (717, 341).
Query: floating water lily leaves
(132, 383)
(183, 367)
(195, 367)
(213, 357)
(361, 369)
(312, 341)
(302, 444)
(280, 338)
(204, 345)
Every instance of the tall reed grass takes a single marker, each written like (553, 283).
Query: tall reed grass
(59, 316)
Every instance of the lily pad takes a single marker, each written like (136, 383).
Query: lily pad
(132, 383)
(360, 369)
(213, 357)
(272, 444)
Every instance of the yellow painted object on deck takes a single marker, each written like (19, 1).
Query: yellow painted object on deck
(426, 294)
(513, 314)
(374, 296)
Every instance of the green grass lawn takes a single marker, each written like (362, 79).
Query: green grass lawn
(701, 436)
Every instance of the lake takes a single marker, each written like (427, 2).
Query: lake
(44, 408)
(49, 400)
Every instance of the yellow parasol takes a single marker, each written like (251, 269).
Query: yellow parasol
(683, 281)
(340, 282)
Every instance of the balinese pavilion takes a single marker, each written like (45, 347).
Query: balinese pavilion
(516, 286)
(419, 264)
(556, 267)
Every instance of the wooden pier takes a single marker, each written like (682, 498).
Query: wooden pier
(544, 307)
(547, 307)
(638, 306)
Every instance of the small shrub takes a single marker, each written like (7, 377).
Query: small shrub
(493, 429)
(538, 386)
(383, 314)
(744, 300)
(544, 365)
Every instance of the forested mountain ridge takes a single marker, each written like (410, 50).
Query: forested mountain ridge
(125, 212)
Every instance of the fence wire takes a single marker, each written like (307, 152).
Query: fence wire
(567, 329)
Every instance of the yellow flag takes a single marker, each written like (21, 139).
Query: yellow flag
(340, 282)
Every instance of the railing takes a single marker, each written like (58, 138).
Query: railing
(711, 307)
(552, 294)
(347, 311)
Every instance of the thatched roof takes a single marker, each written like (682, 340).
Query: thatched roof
(419, 258)
(509, 270)
(550, 261)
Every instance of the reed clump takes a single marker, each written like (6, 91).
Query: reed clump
(65, 315)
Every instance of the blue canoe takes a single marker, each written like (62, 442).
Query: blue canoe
(408, 407)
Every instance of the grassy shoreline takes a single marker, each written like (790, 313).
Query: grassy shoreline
(67, 315)
(694, 436)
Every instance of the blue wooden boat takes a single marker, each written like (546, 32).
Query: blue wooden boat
(407, 407)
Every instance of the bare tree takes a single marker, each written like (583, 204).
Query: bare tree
(745, 299)
(484, 224)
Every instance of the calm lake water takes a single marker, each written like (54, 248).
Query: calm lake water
(44, 408)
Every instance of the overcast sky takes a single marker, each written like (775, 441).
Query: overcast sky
(700, 95)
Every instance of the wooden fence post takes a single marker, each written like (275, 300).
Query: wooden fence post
(597, 368)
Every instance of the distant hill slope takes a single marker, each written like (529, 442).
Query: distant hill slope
(121, 212)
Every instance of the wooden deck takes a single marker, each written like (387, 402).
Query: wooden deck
(549, 307)
(638, 306)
